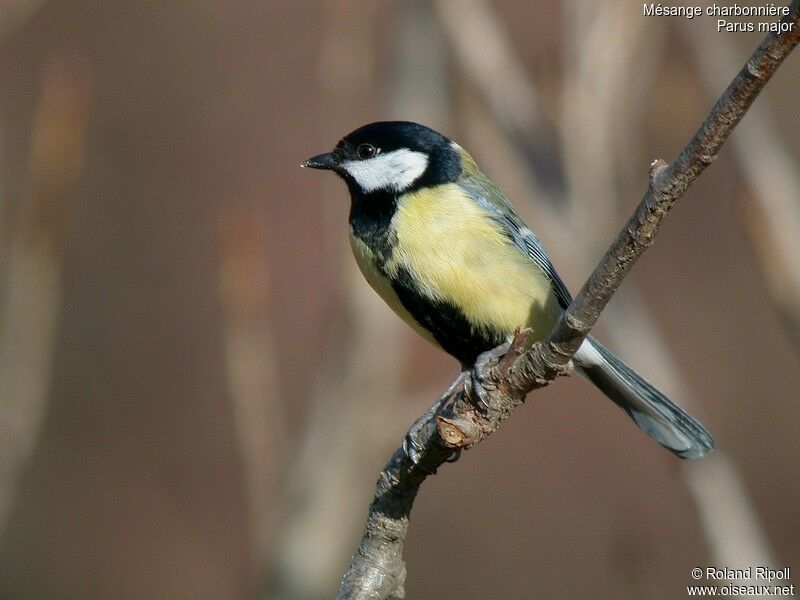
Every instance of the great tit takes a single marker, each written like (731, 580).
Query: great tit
(445, 249)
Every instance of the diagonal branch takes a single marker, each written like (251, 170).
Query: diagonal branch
(729, 520)
(377, 569)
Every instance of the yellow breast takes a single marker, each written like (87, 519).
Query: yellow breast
(459, 255)
(366, 260)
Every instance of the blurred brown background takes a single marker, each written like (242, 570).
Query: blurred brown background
(197, 387)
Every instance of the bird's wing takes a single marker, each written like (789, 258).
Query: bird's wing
(483, 190)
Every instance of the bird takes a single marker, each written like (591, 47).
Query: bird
(446, 250)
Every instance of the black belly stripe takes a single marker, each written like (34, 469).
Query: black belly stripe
(446, 322)
(370, 218)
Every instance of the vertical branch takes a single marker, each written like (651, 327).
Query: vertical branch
(722, 496)
(600, 41)
(250, 364)
(347, 422)
(15, 12)
(771, 217)
(629, 322)
(34, 269)
(499, 76)
(735, 536)
(771, 209)
(343, 427)
(418, 84)
(377, 569)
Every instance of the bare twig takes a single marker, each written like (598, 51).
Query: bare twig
(719, 493)
(716, 478)
(771, 216)
(601, 41)
(502, 83)
(317, 524)
(771, 211)
(715, 486)
(250, 364)
(33, 279)
(346, 425)
(16, 12)
(377, 569)
(734, 534)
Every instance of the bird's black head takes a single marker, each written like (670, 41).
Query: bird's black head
(392, 156)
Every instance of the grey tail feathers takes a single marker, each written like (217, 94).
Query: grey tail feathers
(663, 420)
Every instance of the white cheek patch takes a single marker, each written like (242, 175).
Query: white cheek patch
(396, 170)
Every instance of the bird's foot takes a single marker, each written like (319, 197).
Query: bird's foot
(485, 362)
(411, 445)
(456, 455)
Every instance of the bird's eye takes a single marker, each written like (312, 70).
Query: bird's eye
(366, 151)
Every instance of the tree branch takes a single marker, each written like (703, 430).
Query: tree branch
(377, 569)
(627, 67)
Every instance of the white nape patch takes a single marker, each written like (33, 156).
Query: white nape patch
(396, 170)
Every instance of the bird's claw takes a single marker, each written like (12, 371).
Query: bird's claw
(483, 364)
(455, 456)
(412, 448)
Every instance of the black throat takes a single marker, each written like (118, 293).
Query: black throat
(370, 217)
